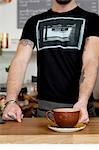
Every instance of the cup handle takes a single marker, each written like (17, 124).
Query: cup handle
(50, 118)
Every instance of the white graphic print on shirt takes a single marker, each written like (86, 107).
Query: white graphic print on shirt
(64, 32)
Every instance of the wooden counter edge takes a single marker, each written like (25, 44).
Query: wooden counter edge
(49, 139)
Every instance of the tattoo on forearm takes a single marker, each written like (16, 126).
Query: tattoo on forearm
(26, 42)
(82, 77)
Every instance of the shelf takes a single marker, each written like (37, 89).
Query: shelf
(6, 56)
(14, 48)
(8, 50)
(9, 54)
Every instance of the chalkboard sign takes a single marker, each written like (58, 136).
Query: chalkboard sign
(89, 5)
(28, 8)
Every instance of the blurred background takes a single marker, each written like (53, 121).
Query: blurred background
(13, 15)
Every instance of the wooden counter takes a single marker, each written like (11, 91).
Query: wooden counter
(34, 130)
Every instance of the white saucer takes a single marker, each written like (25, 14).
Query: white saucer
(57, 129)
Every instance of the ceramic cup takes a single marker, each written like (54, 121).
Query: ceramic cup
(63, 117)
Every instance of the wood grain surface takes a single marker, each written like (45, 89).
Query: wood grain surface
(35, 130)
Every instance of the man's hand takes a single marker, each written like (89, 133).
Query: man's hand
(12, 110)
(84, 118)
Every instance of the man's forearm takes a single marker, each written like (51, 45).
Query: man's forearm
(87, 81)
(18, 68)
(15, 79)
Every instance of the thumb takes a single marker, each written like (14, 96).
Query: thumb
(84, 117)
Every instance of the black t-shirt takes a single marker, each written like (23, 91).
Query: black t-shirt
(60, 39)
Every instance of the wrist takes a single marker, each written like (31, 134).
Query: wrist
(83, 101)
(12, 101)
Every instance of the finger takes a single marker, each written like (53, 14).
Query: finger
(18, 114)
(22, 116)
(83, 120)
(5, 117)
(86, 121)
(13, 117)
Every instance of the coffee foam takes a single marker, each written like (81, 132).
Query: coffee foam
(65, 110)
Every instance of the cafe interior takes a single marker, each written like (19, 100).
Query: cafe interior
(13, 15)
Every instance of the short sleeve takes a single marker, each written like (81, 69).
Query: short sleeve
(93, 25)
(29, 31)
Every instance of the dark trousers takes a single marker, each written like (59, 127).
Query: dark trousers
(44, 106)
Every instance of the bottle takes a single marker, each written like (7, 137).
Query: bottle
(34, 81)
(4, 40)
(29, 87)
(0, 43)
(0, 47)
(32, 87)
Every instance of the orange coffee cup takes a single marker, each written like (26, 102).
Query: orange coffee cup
(63, 117)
